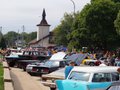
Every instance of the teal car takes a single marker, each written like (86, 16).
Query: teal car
(89, 78)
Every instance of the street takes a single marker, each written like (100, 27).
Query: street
(23, 81)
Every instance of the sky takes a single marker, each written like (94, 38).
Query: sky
(16, 13)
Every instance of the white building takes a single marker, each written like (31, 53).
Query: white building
(43, 33)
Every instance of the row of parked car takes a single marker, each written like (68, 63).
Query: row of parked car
(86, 77)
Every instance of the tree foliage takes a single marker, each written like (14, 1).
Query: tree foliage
(63, 30)
(2, 42)
(92, 27)
(99, 15)
(117, 23)
(12, 36)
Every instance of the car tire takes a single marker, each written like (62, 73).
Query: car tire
(92, 64)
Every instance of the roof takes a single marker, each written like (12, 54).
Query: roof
(96, 69)
(35, 40)
(43, 21)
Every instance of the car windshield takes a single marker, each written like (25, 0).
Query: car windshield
(51, 63)
(80, 76)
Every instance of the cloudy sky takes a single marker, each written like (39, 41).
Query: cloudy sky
(16, 13)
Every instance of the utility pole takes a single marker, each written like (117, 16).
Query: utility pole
(73, 14)
(73, 6)
(23, 27)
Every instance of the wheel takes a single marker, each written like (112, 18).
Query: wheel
(11, 64)
(92, 64)
(52, 88)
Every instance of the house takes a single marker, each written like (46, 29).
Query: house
(43, 34)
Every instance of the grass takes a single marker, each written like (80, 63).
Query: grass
(1, 77)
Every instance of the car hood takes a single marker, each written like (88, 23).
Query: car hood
(58, 56)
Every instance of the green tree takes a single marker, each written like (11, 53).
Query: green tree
(100, 22)
(2, 42)
(62, 30)
(11, 37)
(117, 23)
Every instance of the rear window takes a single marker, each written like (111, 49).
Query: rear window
(101, 77)
(80, 76)
(105, 77)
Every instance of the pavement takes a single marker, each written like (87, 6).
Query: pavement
(23, 81)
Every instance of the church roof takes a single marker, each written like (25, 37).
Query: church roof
(43, 21)
(35, 40)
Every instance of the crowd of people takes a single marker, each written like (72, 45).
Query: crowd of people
(110, 57)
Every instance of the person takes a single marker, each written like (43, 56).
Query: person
(69, 68)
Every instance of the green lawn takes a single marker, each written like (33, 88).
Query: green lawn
(1, 78)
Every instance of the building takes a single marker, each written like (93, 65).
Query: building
(43, 34)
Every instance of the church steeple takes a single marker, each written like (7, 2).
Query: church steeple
(43, 14)
(43, 21)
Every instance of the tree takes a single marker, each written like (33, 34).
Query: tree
(2, 41)
(117, 23)
(11, 37)
(116, 1)
(99, 21)
(62, 30)
(92, 27)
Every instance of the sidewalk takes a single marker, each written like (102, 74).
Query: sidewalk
(23, 81)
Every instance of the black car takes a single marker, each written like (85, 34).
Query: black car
(48, 67)
(27, 55)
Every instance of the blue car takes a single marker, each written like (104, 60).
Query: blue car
(89, 78)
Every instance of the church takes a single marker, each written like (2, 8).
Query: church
(44, 36)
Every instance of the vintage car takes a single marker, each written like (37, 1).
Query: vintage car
(49, 79)
(13, 60)
(60, 56)
(48, 67)
(89, 78)
(92, 62)
(83, 59)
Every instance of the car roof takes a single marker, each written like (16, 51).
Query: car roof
(94, 69)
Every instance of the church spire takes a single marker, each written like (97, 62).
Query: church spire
(43, 21)
(43, 14)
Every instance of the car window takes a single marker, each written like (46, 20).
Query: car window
(81, 76)
(51, 63)
(118, 64)
(101, 77)
(56, 63)
(26, 53)
(115, 76)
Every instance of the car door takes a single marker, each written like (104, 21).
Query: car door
(80, 85)
(70, 85)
